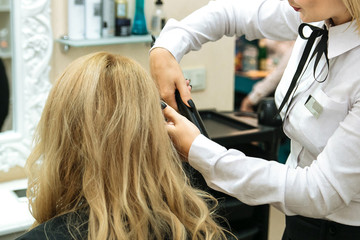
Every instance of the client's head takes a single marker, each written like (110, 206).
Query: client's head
(101, 147)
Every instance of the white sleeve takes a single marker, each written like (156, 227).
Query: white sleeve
(252, 180)
(272, 19)
(319, 191)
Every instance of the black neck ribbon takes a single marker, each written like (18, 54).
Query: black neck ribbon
(320, 49)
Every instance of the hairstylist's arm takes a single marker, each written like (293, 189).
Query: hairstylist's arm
(181, 130)
(166, 71)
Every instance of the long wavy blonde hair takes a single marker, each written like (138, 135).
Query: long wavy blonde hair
(353, 6)
(101, 145)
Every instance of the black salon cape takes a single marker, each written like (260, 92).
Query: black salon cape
(55, 229)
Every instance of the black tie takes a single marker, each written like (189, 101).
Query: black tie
(320, 49)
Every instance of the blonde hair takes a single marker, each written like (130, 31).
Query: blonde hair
(353, 6)
(101, 145)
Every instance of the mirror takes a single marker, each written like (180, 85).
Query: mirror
(32, 46)
(5, 66)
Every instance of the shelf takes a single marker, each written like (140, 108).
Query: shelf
(67, 43)
(5, 55)
(253, 74)
(4, 8)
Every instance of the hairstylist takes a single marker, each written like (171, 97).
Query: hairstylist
(318, 99)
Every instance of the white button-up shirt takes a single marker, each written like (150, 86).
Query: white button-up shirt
(322, 176)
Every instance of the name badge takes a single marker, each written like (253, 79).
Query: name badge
(313, 106)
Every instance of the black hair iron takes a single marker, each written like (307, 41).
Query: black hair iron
(190, 113)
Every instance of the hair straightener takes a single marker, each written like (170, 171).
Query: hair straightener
(190, 113)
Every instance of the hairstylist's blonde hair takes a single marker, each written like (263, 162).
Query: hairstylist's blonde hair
(102, 146)
(353, 6)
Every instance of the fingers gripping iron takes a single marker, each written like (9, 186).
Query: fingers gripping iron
(190, 113)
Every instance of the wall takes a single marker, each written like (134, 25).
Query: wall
(216, 57)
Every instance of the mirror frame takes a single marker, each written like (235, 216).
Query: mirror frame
(32, 46)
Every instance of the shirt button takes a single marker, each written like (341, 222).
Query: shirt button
(332, 230)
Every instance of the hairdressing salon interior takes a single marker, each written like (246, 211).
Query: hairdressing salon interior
(39, 38)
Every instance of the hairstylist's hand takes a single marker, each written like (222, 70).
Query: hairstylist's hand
(182, 132)
(166, 71)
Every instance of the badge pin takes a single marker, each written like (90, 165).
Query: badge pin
(313, 106)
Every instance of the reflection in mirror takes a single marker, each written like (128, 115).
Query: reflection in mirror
(30, 57)
(5, 66)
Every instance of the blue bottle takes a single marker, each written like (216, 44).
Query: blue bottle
(139, 25)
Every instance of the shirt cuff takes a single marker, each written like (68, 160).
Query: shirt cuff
(171, 38)
(202, 154)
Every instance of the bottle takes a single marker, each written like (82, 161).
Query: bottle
(262, 56)
(93, 19)
(76, 19)
(158, 19)
(121, 9)
(250, 57)
(122, 22)
(108, 18)
(123, 27)
(139, 27)
(4, 40)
